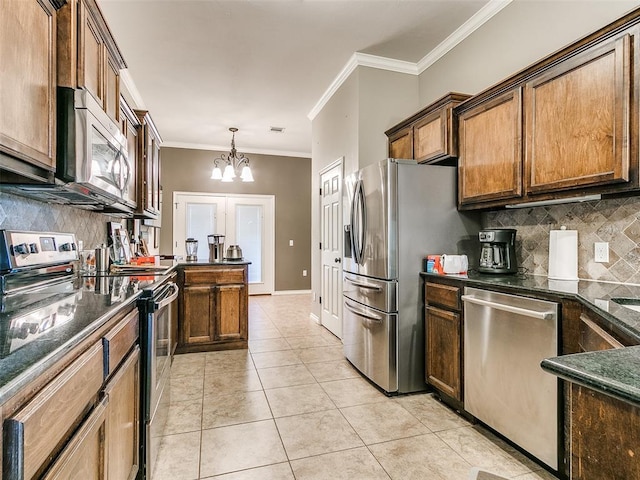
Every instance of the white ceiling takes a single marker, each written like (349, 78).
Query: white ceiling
(201, 67)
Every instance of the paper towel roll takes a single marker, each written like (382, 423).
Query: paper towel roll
(563, 254)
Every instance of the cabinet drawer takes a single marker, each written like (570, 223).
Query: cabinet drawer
(119, 341)
(35, 431)
(443, 295)
(85, 455)
(218, 276)
(593, 337)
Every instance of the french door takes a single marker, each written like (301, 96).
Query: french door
(245, 220)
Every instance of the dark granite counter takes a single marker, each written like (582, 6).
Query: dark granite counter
(93, 301)
(613, 372)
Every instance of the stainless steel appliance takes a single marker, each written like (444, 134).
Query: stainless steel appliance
(191, 247)
(505, 339)
(498, 251)
(158, 309)
(93, 170)
(398, 213)
(216, 247)
(234, 252)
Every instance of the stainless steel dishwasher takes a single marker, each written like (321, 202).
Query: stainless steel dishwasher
(505, 339)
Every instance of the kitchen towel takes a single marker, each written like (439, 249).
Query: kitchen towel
(563, 254)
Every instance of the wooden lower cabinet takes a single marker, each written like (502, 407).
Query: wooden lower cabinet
(443, 351)
(605, 437)
(443, 340)
(123, 392)
(68, 423)
(213, 310)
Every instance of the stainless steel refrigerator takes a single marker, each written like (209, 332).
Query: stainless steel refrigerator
(397, 212)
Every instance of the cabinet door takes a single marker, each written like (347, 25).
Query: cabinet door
(605, 434)
(129, 127)
(230, 312)
(490, 147)
(443, 366)
(197, 315)
(577, 120)
(401, 143)
(430, 136)
(122, 417)
(593, 338)
(84, 457)
(28, 81)
(91, 56)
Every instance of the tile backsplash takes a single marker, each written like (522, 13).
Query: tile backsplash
(19, 213)
(616, 221)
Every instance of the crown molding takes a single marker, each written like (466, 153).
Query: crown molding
(130, 87)
(463, 31)
(365, 60)
(218, 148)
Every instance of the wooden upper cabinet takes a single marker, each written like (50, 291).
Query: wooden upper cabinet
(428, 136)
(28, 81)
(577, 120)
(490, 149)
(88, 56)
(401, 143)
(149, 187)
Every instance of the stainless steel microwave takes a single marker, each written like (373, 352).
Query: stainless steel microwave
(93, 169)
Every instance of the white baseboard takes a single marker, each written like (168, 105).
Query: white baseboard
(315, 318)
(291, 292)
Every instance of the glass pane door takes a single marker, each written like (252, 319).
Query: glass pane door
(201, 221)
(197, 216)
(249, 233)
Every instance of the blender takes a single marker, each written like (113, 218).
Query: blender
(216, 248)
(191, 246)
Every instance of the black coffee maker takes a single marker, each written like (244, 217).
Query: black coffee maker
(498, 251)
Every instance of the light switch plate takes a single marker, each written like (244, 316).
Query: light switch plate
(601, 252)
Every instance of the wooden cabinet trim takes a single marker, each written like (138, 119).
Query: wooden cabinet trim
(40, 427)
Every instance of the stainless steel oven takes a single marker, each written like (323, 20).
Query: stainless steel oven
(157, 307)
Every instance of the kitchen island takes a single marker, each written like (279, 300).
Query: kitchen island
(213, 305)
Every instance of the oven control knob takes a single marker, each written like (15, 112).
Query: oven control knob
(33, 248)
(21, 249)
(66, 247)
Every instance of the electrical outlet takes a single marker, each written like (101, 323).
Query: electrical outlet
(304, 273)
(291, 243)
(601, 252)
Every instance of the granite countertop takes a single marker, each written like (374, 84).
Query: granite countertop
(613, 372)
(206, 262)
(91, 304)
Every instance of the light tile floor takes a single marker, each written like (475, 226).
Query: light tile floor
(291, 407)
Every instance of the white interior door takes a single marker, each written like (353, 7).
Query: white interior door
(196, 216)
(331, 234)
(245, 220)
(250, 224)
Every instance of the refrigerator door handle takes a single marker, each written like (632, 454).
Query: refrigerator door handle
(366, 286)
(358, 222)
(360, 313)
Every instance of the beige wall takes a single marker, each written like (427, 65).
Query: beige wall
(287, 178)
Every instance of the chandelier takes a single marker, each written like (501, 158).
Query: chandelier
(232, 164)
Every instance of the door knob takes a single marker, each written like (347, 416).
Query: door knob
(337, 260)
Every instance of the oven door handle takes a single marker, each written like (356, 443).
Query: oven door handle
(167, 300)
